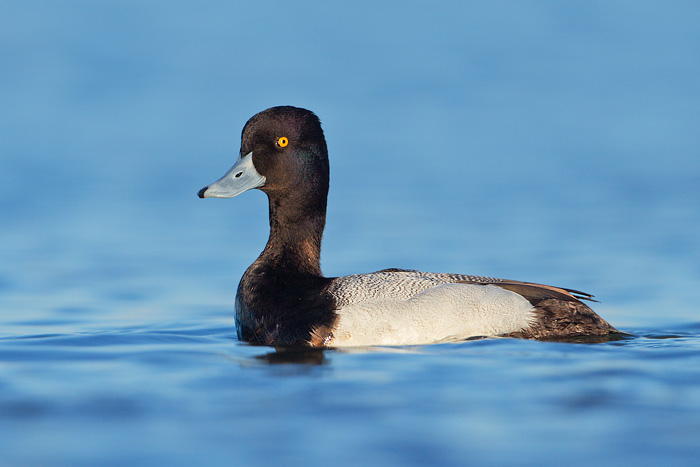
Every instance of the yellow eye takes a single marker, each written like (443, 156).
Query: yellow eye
(282, 142)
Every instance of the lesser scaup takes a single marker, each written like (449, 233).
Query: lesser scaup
(283, 299)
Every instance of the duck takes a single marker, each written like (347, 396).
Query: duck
(284, 300)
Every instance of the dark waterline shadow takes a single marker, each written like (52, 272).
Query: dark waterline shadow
(302, 356)
(614, 337)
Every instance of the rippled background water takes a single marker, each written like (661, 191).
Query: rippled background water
(544, 141)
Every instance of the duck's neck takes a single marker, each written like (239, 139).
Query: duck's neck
(296, 229)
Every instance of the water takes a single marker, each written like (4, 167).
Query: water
(537, 141)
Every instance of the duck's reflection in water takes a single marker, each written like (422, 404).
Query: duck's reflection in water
(298, 355)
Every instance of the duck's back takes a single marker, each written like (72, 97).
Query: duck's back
(393, 284)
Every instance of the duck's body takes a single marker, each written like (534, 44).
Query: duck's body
(283, 299)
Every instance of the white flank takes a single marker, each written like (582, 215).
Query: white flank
(441, 313)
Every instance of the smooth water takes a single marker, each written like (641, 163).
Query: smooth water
(542, 141)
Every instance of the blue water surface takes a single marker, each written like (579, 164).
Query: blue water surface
(553, 142)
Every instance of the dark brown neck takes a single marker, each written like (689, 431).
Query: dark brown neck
(296, 230)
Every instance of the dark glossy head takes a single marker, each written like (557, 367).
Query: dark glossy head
(283, 152)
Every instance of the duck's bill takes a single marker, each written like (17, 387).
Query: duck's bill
(241, 177)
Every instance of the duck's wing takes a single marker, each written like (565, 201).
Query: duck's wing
(515, 286)
(536, 292)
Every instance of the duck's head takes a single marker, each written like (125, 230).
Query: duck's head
(283, 153)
